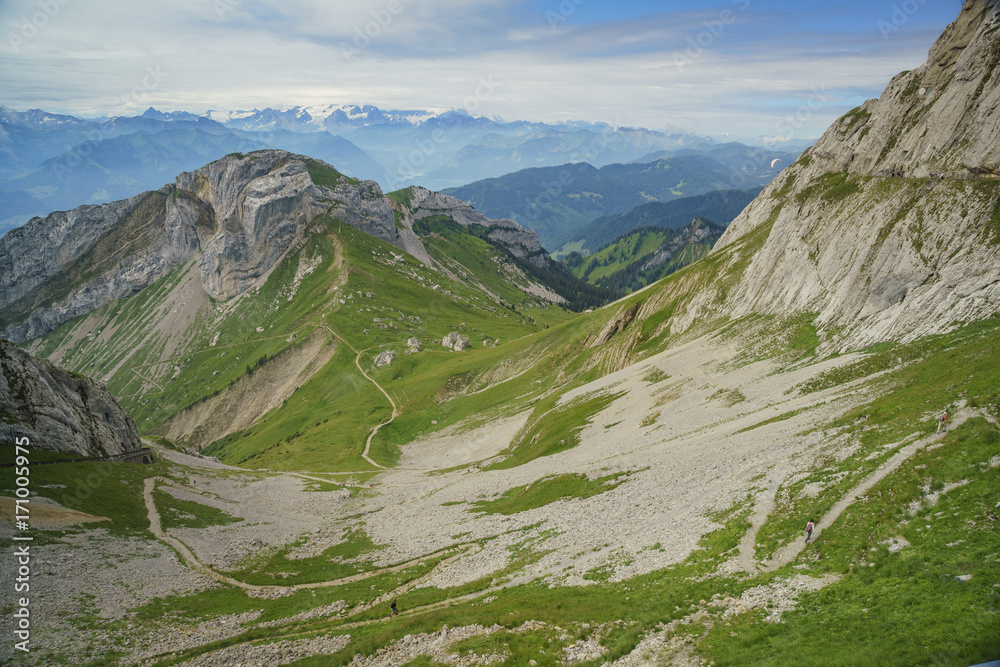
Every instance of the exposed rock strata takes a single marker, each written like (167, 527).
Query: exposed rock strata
(456, 341)
(237, 217)
(507, 233)
(60, 411)
(878, 256)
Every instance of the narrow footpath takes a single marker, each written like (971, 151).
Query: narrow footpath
(395, 408)
(191, 561)
(745, 559)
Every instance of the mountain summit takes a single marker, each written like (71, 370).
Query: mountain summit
(889, 227)
(236, 217)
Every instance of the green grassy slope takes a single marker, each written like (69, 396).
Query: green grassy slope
(643, 256)
(907, 607)
(361, 294)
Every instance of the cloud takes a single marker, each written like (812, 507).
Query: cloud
(743, 77)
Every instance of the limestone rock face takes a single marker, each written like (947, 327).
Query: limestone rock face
(880, 256)
(939, 118)
(413, 346)
(60, 411)
(237, 217)
(258, 207)
(519, 241)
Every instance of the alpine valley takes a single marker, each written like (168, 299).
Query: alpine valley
(320, 398)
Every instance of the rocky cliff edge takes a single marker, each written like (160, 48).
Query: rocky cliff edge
(889, 227)
(60, 411)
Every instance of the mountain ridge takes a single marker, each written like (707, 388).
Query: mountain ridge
(239, 214)
(557, 202)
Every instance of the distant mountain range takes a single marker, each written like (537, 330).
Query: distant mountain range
(720, 206)
(557, 202)
(52, 161)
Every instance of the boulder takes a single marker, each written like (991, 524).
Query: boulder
(413, 346)
(385, 358)
(456, 341)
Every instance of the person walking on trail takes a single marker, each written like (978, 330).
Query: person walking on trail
(394, 610)
(942, 422)
(809, 529)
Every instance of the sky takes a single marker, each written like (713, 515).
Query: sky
(782, 69)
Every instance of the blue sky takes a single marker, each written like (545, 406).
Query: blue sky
(747, 68)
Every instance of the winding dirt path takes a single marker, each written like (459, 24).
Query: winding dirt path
(745, 560)
(789, 552)
(395, 408)
(191, 561)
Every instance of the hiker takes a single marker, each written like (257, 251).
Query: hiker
(394, 610)
(809, 529)
(942, 422)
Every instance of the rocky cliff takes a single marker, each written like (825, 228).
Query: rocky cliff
(889, 227)
(699, 231)
(520, 242)
(237, 216)
(60, 411)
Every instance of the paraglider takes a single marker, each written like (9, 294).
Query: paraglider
(775, 161)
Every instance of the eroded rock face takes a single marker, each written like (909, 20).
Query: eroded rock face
(60, 411)
(237, 216)
(616, 324)
(876, 254)
(938, 118)
(518, 240)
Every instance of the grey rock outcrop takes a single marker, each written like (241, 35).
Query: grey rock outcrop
(456, 341)
(60, 411)
(413, 346)
(699, 231)
(879, 256)
(938, 118)
(520, 242)
(385, 358)
(237, 217)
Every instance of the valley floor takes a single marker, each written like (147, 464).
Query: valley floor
(680, 511)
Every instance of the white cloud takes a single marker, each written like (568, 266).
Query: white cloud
(432, 53)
